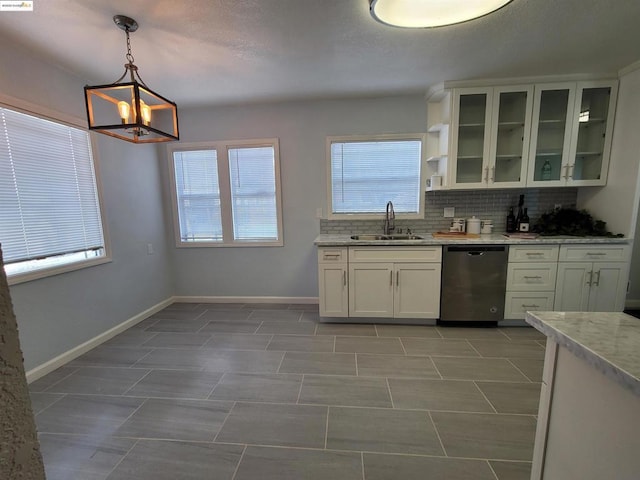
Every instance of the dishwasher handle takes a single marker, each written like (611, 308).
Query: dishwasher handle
(475, 253)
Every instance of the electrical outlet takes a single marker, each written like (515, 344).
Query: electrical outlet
(449, 212)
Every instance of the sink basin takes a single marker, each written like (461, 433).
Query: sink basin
(385, 237)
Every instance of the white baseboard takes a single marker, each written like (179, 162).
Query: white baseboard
(64, 358)
(291, 300)
(632, 304)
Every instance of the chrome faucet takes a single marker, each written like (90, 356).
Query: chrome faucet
(390, 219)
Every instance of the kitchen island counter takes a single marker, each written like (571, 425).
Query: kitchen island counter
(589, 413)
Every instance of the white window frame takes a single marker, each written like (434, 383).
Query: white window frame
(222, 148)
(375, 138)
(28, 108)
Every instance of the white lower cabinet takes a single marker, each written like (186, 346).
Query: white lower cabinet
(592, 278)
(394, 282)
(531, 279)
(591, 287)
(333, 289)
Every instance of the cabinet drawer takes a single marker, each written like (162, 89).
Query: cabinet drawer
(332, 255)
(533, 253)
(518, 303)
(594, 253)
(395, 254)
(530, 277)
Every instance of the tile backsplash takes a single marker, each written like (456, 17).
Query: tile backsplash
(484, 204)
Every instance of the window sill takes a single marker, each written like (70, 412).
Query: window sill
(49, 272)
(278, 243)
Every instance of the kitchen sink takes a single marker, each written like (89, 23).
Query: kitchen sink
(385, 237)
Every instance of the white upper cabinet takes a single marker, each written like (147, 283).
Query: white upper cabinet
(571, 134)
(513, 136)
(491, 136)
(510, 135)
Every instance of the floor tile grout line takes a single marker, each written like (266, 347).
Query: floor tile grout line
(492, 470)
(215, 385)
(485, 397)
(284, 353)
(355, 358)
(386, 379)
(62, 395)
(123, 394)
(235, 471)
(521, 372)
(435, 367)
(46, 390)
(133, 365)
(474, 348)
(403, 348)
(300, 390)
(435, 428)
(326, 428)
(362, 464)
(137, 440)
(215, 437)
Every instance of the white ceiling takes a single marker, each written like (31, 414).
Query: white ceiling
(238, 51)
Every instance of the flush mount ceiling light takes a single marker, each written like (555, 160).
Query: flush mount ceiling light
(431, 13)
(130, 110)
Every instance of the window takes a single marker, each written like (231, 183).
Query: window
(367, 172)
(227, 194)
(50, 219)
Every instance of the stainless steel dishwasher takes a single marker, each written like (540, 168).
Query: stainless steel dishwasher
(474, 280)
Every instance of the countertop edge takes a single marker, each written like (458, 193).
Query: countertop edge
(597, 361)
(344, 240)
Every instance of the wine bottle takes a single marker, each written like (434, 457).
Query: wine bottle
(524, 221)
(511, 221)
(520, 213)
(546, 170)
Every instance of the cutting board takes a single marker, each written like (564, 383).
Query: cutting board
(454, 235)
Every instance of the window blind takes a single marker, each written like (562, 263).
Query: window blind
(253, 193)
(48, 198)
(198, 195)
(366, 175)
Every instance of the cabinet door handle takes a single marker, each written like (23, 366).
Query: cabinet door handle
(532, 277)
(570, 173)
(566, 172)
(534, 254)
(590, 278)
(493, 174)
(596, 282)
(328, 256)
(391, 278)
(344, 278)
(595, 254)
(530, 306)
(397, 278)
(486, 174)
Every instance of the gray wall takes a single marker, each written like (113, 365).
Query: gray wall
(58, 313)
(302, 127)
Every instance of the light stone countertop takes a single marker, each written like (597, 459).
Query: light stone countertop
(329, 240)
(609, 342)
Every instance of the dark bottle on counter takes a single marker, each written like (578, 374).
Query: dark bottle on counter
(511, 221)
(524, 222)
(520, 213)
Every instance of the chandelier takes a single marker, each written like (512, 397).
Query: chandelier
(127, 109)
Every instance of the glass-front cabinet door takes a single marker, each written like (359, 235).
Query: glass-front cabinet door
(551, 134)
(471, 122)
(591, 143)
(511, 128)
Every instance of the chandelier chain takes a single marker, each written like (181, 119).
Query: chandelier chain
(129, 55)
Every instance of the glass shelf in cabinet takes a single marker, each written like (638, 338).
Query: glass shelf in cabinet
(588, 154)
(471, 125)
(549, 153)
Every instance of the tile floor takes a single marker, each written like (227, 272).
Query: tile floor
(265, 392)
